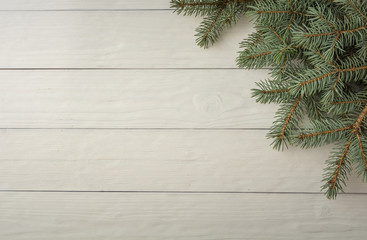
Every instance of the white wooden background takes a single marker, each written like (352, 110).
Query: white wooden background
(114, 125)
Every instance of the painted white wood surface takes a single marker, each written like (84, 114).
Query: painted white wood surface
(83, 4)
(89, 39)
(115, 216)
(157, 160)
(162, 124)
(132, 99)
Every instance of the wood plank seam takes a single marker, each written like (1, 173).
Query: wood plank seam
(172, 192)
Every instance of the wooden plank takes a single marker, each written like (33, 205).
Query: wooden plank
(83, 5)
(159, 160)
(132, 99)
(94, 216)
(148, 39)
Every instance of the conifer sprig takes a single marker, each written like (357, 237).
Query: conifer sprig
(218, 15)
(317, 53)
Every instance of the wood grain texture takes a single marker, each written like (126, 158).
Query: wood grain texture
(132, 99)
(158, 39)
(115, 216)
(83, 4)
(157, 160)
(151, 130)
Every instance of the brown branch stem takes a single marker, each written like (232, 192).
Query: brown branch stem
(302, 136)
(288, 118)
(332, 182)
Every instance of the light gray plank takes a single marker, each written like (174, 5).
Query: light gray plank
(158, 39)
(95, 216)
(132, 99)
(159, 160)
(83, 4)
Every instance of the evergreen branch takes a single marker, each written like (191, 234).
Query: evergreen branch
(338, 71)
(290, 4)
(318, 34)
(185, 4)
(327, 22)
(257, 39)
(360, 118)
(353, 69)
(317, 78)
(346, 102)
(336, 81)
(213, 22)
(260, 54)
(284, 11)
(317, 54)
(338, 169)
(275, 91)
(353, 30)
(270, 92)
(323, 132)
(355, 8)
(209, 29)
(316, 109)
(283, 65)
(293, 15)
(196, 6)
(339, 164)
(291, 21)
(363, 155)
(218, 15)
(288, 118)
(336, 40)
(336, 32)
(303, 136)
(276, 34)
(327, 61)
(350, 103)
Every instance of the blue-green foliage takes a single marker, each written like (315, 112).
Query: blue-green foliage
(317, 53)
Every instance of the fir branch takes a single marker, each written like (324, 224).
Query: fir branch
(360, 118)
(257, 39)
(356, 9)
(363, 155)
(317, 54)
(283, 66)
(336, 82)
(213, 22)
(271, 92)
(326, 60)
(327, 22)
(291, 21)
(301, 84)
(353, 69)
(346, 102)
(335, 33)
(218, 15)
(288, 118)
(316, 78)
(201, 7)
(322, 132)
(275, 91)
(293, 15)
(182, 4)
(338, 174)
(285, 11)
(276, 34)
(260, 54)
(303, 136)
